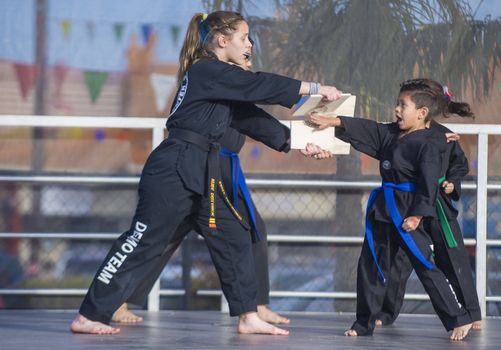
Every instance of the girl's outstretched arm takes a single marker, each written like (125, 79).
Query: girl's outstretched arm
(321, 121)
(330, 93)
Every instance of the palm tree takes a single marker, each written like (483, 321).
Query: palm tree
(368, 46)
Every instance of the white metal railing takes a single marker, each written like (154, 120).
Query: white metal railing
(156, 125)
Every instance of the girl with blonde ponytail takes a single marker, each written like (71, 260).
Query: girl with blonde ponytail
(261, 127)
(181, 182)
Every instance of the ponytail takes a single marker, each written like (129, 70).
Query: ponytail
(191, 46)
(460, 109)
(200, 34)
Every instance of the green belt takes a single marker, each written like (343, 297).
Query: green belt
(444, 222)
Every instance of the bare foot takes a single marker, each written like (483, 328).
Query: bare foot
(459, 333)
(124, 315)
(83, 325)
(269, 316)
(378, 323)
(351, 333)
(250, 323)
(477, 325)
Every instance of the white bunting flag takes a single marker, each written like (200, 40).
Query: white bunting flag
(162, 85)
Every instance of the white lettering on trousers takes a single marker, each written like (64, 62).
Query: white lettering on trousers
(118, 258)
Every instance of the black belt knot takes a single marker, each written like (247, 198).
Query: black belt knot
(213, 171)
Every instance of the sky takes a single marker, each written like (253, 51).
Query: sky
(486, 8)
(81, 33)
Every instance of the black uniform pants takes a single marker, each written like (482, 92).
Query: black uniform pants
(371, 290)
(259, 252)
(455, 264)
(164, 203)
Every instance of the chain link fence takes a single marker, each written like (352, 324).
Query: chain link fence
(304, 267)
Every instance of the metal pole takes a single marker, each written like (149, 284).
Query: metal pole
(187, 262)
(41, 55)
(39, 106)
(157, 137)
(154, 297)
(481, 249)
(224, 304)
(37, 153)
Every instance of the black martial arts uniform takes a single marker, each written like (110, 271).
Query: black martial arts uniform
(410, 167)
(451, 258)
(261, 126)
(180, 180)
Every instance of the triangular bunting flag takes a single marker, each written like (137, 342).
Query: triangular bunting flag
(91, 29)
(66, 26)
(26, 76)
(94, 82)
(174, 31)
(118, 28)
(60, 71)
(162, 85)
(146, 31)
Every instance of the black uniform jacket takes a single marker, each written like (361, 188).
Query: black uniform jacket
(415, 157)
(212, 92)
(454, 167)
(260, 126)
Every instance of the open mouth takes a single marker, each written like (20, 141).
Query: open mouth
(247, 55)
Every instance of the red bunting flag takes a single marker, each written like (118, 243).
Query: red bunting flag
(60, 71)
(26, 75)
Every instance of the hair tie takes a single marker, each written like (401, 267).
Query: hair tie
(448, 95)
(203, 29)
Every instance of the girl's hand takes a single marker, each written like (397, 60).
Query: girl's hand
(321, 121)
(411, 223)
(323, 154)
(330, 93)
(313, 151)
(450, 136)
(448, 187)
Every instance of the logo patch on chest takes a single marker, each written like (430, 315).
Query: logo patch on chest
(181, 93)
(387, 165)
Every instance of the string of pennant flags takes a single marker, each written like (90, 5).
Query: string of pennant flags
(118, 28)
(26, 75)
(162, 84)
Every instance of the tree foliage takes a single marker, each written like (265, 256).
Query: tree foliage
(367, 47)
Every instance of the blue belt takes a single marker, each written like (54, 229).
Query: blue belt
(238, 182)
(396, 218)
